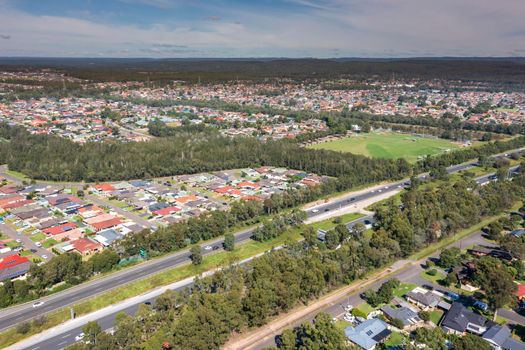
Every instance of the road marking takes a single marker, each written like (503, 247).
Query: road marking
(62, 343)
(36, 347)
(65, 336)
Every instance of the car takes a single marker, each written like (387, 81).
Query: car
(208, 247)
(80, 337)
(38, 244)
(147, 303)
(44, 256)
(216, 247)
(33, 250)
(18, 241)
(378, 190)
(348, 308)
(327, 209)
(315, 211)
(38, 303)
(428, 286)
(386, 187)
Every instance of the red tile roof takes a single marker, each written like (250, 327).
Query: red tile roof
(12, 260)
(106, 224)
(84, 245)
(105, 187)
(17, 204)
(167, 211)
(55, 230)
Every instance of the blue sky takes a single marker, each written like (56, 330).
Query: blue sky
(263, 28)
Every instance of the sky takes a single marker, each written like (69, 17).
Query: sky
(262, 28)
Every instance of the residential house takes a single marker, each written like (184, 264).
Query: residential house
(424, 300)
(86, 246)
(368, 334)
(459, 320)
(406, 315)
(500, 338)
(13, 266)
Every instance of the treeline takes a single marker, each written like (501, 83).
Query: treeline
(53, 158)
(65, 269)
(448, 123)
(506, 71)
(428, 215)
(241, 297)
(466, 154)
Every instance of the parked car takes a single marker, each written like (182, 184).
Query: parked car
(80, 337)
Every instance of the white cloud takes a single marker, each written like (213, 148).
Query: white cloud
(322, 28)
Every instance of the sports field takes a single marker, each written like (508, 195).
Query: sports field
(389, 145)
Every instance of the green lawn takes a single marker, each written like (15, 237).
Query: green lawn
(389, 145)
(37, 237)
(342, 324)
(365, 307)
(330, 224)
(404, 288)
(49, 243)
(395, 339)
(434, 279)
(436, 315)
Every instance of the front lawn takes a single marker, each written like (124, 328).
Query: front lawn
(49, 243)
(403, 289)
(37, 237)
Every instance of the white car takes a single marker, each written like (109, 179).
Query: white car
(315, 211)
(38, 303)
(80, 337)
(208, 247)
(44, 256)
(38, 244)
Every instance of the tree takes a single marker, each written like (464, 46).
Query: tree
(424, 315)
(471, 342)
(450, 257)
(358, 229)
(433, 338)
(23, 327)
(196, 255)
(502, 173)
(229, 242)
(91, 330)
(497, 282)
(494, 230)
(451, 279)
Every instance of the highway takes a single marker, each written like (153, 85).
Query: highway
(24, 312)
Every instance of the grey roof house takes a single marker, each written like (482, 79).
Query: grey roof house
(404, 314)
(500, 338)
(368, 334)
(425, 301)
(459, 319)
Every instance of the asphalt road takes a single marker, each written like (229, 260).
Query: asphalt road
(24, 312)
(26, 242)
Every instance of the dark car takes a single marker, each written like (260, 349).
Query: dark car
(215, 247)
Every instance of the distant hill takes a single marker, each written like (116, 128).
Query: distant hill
(503, 70)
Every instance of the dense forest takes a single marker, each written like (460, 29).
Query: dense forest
(241, 297)
(194, 149)
(54, 158)
(505, 71)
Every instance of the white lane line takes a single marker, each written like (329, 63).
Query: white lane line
(65, 336)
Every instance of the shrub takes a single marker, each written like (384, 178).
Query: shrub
(432, 272)
(23, 328)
